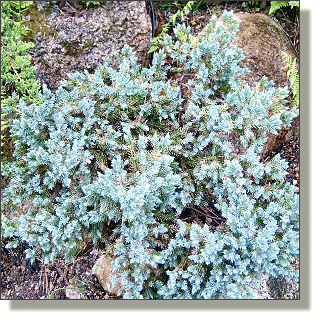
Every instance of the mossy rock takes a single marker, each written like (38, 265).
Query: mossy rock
(69, 38)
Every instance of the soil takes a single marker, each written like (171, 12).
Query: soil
(22, 280)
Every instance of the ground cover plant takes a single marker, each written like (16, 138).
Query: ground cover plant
(17, 74)
(132, 147)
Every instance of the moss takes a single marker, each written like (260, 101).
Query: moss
(74, 48)
(36, 22)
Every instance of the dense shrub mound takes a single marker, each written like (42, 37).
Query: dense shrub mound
(135, 148)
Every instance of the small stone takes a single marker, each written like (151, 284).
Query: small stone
(73, 293)
(208, 221)
(103, 271)
(294, 182)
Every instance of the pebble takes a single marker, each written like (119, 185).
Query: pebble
(208, 221)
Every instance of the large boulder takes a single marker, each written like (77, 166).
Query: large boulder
(262, 40)
(71, 38)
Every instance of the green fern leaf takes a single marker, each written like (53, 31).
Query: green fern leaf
(292, 75)
(276, 5)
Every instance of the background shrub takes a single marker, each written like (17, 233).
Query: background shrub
(17, 76)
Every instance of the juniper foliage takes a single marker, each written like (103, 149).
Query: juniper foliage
(109, 146)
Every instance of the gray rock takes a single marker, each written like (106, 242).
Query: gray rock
(73, 294)
(74, 38)
(281, 288)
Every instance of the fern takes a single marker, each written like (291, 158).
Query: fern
(292, 75)
(172, 20)
(276, 5)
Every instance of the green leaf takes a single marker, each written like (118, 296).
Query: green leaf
(153, 49)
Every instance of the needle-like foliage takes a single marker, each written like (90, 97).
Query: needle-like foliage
(126, 145)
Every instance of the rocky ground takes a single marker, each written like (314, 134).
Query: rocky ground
(20, 280)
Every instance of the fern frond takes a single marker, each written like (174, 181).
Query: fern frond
(172, 21)
(276, 5)
(292, 75)
(294, 4)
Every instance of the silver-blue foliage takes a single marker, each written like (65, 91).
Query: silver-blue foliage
(106, 146)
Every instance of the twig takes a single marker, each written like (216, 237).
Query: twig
(204, 214)
(47, 281)
(213, 213)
